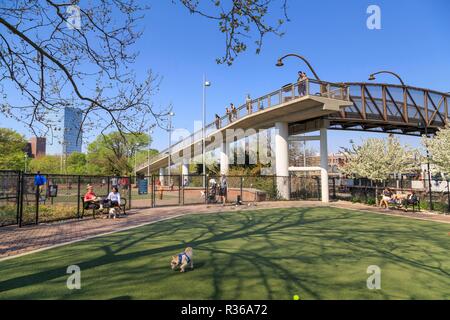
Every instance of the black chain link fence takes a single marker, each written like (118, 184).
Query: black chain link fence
(23, 202)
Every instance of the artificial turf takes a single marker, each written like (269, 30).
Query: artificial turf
(315, 253)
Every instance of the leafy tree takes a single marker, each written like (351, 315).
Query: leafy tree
(377, 159)
(113, 153)
(76, 163)
(56, 53)
(439, 148)
(12, 146)
(46, 164)
(238, 20)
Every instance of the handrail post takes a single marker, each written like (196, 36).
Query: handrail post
(307, 87)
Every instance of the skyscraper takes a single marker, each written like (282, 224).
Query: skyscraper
(72, 134)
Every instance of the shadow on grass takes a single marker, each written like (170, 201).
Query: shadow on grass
(252, 228)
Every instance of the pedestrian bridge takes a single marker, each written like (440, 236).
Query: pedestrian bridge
(313, 105)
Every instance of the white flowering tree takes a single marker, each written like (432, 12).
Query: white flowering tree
(377, 159)
(439, 149)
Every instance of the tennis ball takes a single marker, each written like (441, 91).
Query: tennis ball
(296, 297)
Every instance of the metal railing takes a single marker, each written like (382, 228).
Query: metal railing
(286, 94)
(392, 108)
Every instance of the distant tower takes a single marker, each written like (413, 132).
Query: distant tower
(72, 135)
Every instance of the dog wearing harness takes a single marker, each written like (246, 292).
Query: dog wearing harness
(182, 260)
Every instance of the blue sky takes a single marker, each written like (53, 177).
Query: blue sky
(180, 47)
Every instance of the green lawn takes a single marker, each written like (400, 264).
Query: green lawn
(316, 253)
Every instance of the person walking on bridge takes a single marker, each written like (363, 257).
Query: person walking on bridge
(233, 112)
(248, 103)
(302, 78)
(217, 121)
(229, 115)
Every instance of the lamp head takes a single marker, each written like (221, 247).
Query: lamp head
(171, 113)
(279, 63)
(371, 77)
(207, 84)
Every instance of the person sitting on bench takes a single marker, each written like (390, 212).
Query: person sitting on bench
(411, 200)
(91, 200)
(114, 197)
(386, 198)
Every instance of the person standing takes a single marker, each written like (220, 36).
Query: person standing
(39, 182)
(233, 112)
(223, 189)
(248, 103)
(217, 121)
(302, 79)
(229, 115)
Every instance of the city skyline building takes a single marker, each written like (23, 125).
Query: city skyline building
(72, 135)
(38, 146)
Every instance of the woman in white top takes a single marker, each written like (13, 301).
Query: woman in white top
(114, 197)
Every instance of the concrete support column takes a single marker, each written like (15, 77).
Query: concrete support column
(224, 158)
(282, 159)
(324, 164)
(161, 176)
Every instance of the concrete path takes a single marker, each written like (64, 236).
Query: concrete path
(16, 241)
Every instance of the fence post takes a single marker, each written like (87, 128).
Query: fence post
(448, 195)
(37, 203)
(274, 186)
(179, 189)
(289, 186)
(242, 198)
(18, 197)
(334, 188)
(78, 196)
(182, 186)
(206, 188)
(21, 199)
(129, 192)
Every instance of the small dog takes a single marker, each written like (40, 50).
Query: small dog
(202, 195)
(183, 259)
(112, 213)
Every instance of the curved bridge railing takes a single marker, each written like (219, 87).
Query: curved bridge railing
(376, 107)
(393, 108)
(287, 93)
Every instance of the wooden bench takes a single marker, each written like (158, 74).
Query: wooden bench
(95, 208)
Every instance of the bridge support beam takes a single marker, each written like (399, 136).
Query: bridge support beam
(282, 159)
(224, 162)
(324, 164)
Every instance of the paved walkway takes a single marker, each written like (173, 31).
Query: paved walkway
(15, 241)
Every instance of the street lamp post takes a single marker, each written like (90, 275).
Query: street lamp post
(280, 63)
(169, 129)
(205, 85)
(26, 160)
(428, 165)
(372, 76)
(150, 131)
